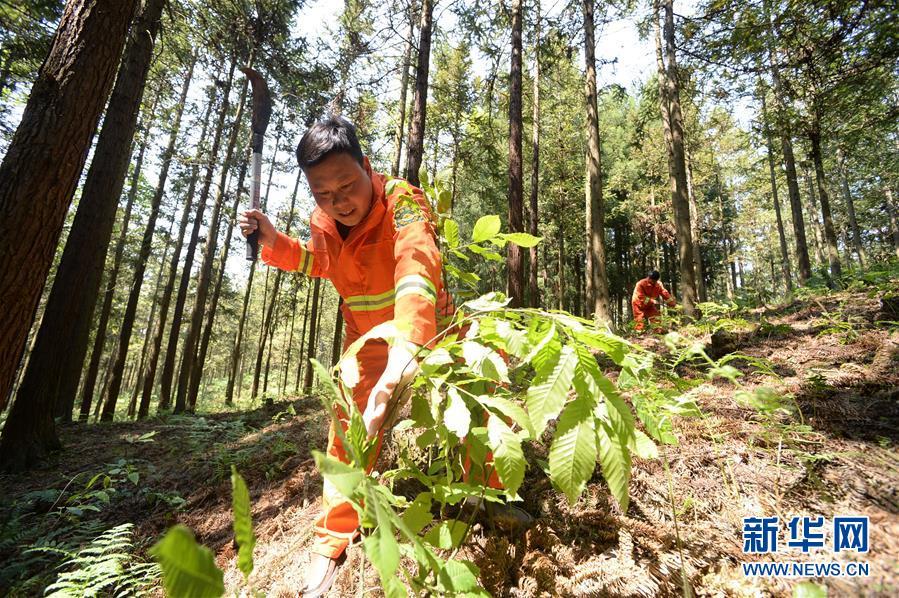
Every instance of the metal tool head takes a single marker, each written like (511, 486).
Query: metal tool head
(262, 107)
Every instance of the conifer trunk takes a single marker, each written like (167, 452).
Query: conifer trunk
(830, 235)
(404, 86)
(514, 262)
(310, 352)
(533, 289)
(784, 254)
(415, 147)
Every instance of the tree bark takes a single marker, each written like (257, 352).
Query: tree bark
(812, 208)
(830, 235)
(597, 288)
(678, 171)
(404, 86)
(189, 376)
(695, 231)
(296, 389)
(514, 264)
(293, 319)
(782, 120)
(415, 147)
(310, 352)
(168, 368)
(165, 302)
(200, 361)
(533, 289)
(857, 244)
(238, 341)
(146, 245)
(44, 160)
(337, 339)
(784, 254)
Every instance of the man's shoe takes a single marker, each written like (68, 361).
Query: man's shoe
(504, 516)
(321, 575)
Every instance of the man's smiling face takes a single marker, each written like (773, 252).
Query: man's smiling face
(342, 187)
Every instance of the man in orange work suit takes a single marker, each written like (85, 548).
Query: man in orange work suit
(643, 301)
(380, 252)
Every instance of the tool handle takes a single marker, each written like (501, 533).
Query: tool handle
(253, 238)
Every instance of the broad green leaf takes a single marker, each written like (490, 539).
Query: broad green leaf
(486, 228)
(418, 515)
(507, 454)
(423, 176)
(615, 460)
(451, 232)
(545, 351)
(545, 400)
(488, 302)
(522, 239)
(484, 361)
(643, 446)
(446, 535)
(614, 346)
(188, 569)
(457, 418)
(572, 456)
(460, 578)
(516, 342)
(243, 523)
(382, 549)
(509, 409)
(345, 478)
(444, 201)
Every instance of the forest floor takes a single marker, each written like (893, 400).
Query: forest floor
(833, 355)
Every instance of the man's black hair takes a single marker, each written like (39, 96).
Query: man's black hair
(654, 275)
(329, 135)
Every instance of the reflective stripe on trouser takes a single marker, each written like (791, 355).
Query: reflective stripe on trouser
(338, 524)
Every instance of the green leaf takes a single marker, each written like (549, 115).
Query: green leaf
(484, 361)
(418, 514)
(486, 228)
(643, 446)
(188, 569)
(345, 478)
(134, 477)
(460, 577)
(423, 177)
(457, 418)
(510, 409)
(615, 461)
(451, 232)
(444, 201)
(382, 549)
(507, 454)
(572, 456)
(545, 399)
(446, 535)
(522, 239)
(243, 523)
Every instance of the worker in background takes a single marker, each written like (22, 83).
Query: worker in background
(645, 300)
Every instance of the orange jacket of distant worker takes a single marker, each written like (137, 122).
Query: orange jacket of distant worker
(644, 298)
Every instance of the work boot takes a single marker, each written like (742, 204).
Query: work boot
(321, 575)
(503, 516)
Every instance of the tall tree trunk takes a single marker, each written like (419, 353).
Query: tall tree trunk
(310, 352)
(296, 389)
(415, 147)
(236, 351)
(784, 254)
(514, 265)
(857, 244)
(561, 229)
(189, 376)
(783, 126)
(404, 86)
(830, 235)
(533, 290)
(90, 381)
(678, 170)
(168, 366)
(337, 340)
(44, 160)
(597, 280)
(165, 302)
(146, 245)
(55, 368)
(293, 318)
(812, 208)
(730, 283)
(132, 404)
(695, 232)
(200, 361)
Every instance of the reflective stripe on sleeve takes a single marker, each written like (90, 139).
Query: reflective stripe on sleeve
(370, 302)
(417, 285)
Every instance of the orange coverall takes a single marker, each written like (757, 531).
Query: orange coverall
(644, 298)
(388, 268)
